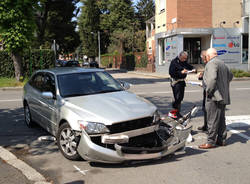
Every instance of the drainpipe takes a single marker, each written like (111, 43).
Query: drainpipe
(248, 41)
(248, 35)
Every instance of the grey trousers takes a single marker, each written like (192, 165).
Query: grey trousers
(216, 122)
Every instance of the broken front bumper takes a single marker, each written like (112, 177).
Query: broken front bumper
(96, 153)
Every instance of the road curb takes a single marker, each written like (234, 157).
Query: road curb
(11, 88)
(30, 173)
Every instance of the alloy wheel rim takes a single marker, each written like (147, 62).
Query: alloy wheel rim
(68, 142)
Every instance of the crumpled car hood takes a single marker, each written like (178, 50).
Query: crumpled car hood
(109, 108)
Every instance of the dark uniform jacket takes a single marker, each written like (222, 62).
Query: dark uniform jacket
(176, 67)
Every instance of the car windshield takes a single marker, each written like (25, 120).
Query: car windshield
(87, 83)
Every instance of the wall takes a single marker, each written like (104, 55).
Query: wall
(171, 14)
(160, 18)
(194, 13)
(226, 10)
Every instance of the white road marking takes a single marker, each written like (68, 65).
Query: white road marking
(238, 133)
(186, 91)
(79, 170)
(242, 88)
(236, 122)
(13, 100)
(165, 92)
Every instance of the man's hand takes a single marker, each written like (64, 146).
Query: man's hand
(184, 71)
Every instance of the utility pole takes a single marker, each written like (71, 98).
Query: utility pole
(55, 50)
(99, 49)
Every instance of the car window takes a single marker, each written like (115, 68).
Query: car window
(37, 81)
(49, 83)
(87, 83)
(72, 63)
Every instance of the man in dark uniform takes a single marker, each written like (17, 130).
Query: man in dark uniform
(178, 71)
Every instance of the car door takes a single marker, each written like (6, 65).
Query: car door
(49, 106)
(34, 96)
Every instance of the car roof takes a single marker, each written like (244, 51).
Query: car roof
(69, 70)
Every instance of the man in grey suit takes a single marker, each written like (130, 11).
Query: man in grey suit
(217, 77)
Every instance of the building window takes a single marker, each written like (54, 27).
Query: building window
(162, 6)
(161, 51)
(245, 48)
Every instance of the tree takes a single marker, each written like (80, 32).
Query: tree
(118, 19)
(17, 29)
(117, 15)
(89, 26)
(54, 22)
(145, 10)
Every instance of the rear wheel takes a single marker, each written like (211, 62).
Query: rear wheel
(67, 142)
(27, 116)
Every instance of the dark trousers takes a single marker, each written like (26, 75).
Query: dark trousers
(178, 91)
(204, 108)
(216, 121)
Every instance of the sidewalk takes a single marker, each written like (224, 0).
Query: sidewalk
(190, 77)
(19, 171)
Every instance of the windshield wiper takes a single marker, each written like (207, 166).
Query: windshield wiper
(73, 95)
(107, 91)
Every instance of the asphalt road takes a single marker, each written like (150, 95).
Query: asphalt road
(229, 164)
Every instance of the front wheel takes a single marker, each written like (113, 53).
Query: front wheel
(67, 142)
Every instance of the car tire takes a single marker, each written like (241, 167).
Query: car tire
(27, 116)
(68, 142)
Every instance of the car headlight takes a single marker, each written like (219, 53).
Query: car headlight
(93, 127)
(157, 117)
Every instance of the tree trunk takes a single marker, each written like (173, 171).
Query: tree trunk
(17, 61)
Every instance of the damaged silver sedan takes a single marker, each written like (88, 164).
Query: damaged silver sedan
(93, 117)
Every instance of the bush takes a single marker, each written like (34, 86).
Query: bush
(32, 60)
(143, 62)
(240, 73)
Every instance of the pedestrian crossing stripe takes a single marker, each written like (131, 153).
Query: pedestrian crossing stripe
(237, 122)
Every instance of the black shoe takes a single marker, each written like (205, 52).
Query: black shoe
(202, 128)
(221, 143)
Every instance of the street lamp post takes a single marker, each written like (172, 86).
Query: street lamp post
(99, 49)
(99, 46)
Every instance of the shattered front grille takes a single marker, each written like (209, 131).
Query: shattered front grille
(130, 125)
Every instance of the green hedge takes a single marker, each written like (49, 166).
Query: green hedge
(240, 73)
(32, 60)
(143, 62)
(6, 65)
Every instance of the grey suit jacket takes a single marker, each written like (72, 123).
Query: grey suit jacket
(217, 77)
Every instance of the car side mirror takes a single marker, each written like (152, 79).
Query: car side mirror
(47, 95)
(125, 85)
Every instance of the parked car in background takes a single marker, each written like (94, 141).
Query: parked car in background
(60, 62)
(72, 63)
(69, 63)
(92, 115)
(91, 64)
(94, 64)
